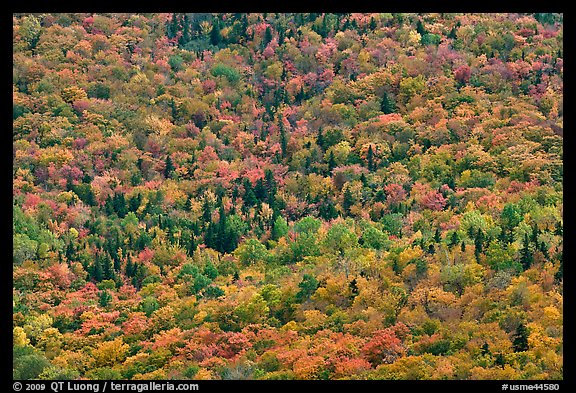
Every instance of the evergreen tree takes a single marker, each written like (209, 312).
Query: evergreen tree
(260, 190)
(271, 187)
(267, 37)
(499, 360)
(348, 200)
(373, 24)
(370, 159)
(454, 239)
(215, 36)
(420, 28)
(107, 266)
(104, 298)
(387, 104)
(437, 236)
(478, 244)
(249, 196)
(520, 339)
(327, 210)
(283, 139)
(129, 270)
(526, 256)
(169, 167)
(109, 206)
(119, 205)
(96, 270)
(331, 161)
(320, 138)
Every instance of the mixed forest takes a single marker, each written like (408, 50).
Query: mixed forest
(287, 196)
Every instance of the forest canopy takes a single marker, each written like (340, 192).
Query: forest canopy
(288, 196)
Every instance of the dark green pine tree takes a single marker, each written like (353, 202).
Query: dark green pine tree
(499, 360)
(185, 31)
(174, 109)
(520, 339)
(320, 138)
(107, 267)
(104, 298)
(271, 187)
(70, 252)
(437, 237)
(97, 272)
(370, 159)
(534, 236)
(109, 206)
(478, 244)
(119, 204)
(283, 139)
(172, 26)
(267, 37)
(249, 196)
(420, 28)
(210, 236)
(221, 241)
(454, 239)
(168, 167)
(129, 269)
(215, 36)
(260, 190)
(452, 33)
(327, 210)
(387, 104)
(372, 24)
(348, 200)
(331, 161)
(526, 256)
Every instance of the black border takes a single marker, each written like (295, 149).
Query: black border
(270, 6)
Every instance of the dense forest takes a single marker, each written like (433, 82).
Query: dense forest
(288, 196)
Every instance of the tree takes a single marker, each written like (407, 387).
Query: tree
(340, 238)
(249, 195)
(526, 256)
(348, 200)
(374, 238)
(479, 243)
(104, 298)
(331, 161)
(168, 167)
(520, 339)
(110, 353)
(279, 228)
(384, 347)
(307, 286)
(215, 35)
(283, 139)
(387, 104)
(30, 31)
(251, 252)
(370, 159)
(267, 37)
